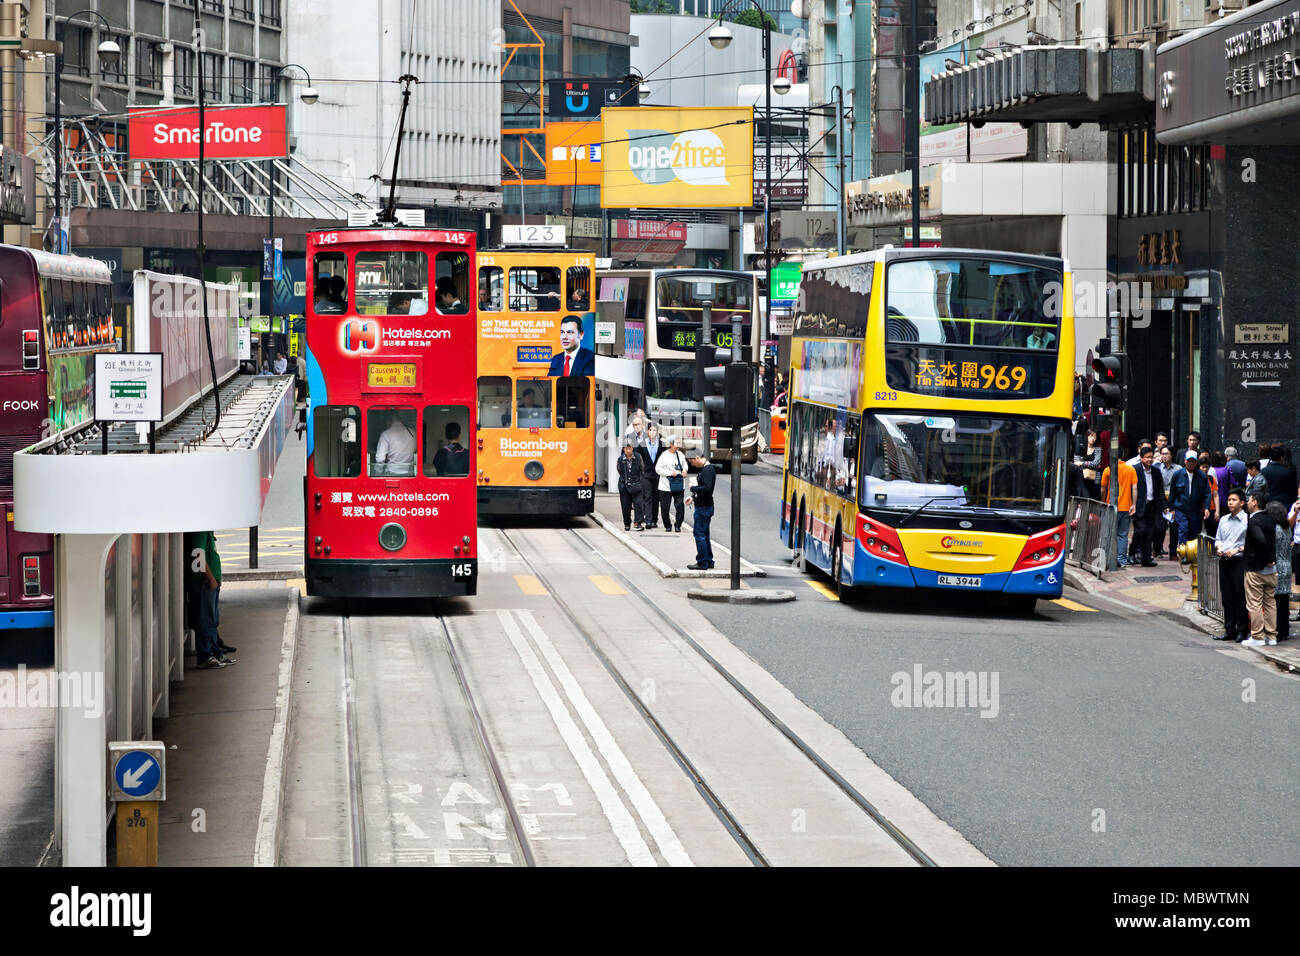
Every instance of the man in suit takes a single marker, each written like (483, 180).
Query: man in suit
(1280, 477)
(1148, 503)
(572, 359)
(650, 450)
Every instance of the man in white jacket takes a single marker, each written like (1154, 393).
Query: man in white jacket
(671, 469)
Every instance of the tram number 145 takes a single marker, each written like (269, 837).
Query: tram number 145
(462, 570)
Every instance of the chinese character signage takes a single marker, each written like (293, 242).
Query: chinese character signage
(128, 386)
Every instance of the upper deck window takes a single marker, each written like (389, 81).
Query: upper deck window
(680, 308)
(453, 278)
(579, 281)
(491, 280)
(330, 283)
(392, 283)
(535, 289)
(971, 302)
(834, 302)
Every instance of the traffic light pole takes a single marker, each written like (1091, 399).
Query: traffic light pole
(737, 334)
(708, 340)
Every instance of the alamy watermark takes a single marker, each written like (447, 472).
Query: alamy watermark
(946, 689)
(70, 690)
(1130, 300)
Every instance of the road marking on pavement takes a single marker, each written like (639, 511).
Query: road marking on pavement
(1073, 605)
(619, 817)
(299, 583)
(645, 805)
(605, 584)
(529, 584)
(823, 589)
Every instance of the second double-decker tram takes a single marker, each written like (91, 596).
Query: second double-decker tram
(928, 421)
(536, 436)
(671, 304)
(390, 502)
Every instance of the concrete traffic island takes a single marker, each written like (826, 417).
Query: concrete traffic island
(743, 596)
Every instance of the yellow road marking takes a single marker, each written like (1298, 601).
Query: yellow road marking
(299, 583)
(529, 584)
(1073, 605)
(605, 584)
(823, 589)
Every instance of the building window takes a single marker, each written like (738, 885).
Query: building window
(184, 63)
(76, 41)
(271, 12)
(243, 9)
(212, 74)
(114, 71)
(270, 92)
(213, 6)
(242, 89)
(148, 64)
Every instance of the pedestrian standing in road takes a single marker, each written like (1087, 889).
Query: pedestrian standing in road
(631, 494)
(1230, 545)
(204, 580)
(1148, 502)
(1189, 497)
(1124, 508)
(650, 453)
(1282, 560)
(1261, 571)
(702, 498)
(671, 469)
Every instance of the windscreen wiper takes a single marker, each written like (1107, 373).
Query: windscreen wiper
(912, 514)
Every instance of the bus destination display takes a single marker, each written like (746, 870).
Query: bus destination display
(967, 373)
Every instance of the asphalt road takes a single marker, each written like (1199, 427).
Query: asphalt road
(1119, 738)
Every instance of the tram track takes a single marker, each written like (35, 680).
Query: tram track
(434, 625)
(595, 559)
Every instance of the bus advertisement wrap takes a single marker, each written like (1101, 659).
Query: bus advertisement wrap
(668, 157)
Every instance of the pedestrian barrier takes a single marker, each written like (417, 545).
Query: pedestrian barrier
(1208, 599)
(1090, 535)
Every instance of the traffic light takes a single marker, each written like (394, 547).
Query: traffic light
(725, 387)
(1110, 390)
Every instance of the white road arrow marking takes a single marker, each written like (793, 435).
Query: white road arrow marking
(131, 779)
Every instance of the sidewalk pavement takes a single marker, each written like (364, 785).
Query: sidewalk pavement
(1167, 589)
(226, 734)
(668, 552)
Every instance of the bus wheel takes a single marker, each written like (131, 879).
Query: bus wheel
(800, 555)
(837, 567)
(791, 539)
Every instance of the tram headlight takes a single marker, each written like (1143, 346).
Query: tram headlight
(533, 471)
(392, 536)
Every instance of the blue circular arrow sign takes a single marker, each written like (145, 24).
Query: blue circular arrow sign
(137, 773)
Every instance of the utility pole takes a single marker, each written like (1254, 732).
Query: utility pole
(737, 359)
(707, 332)
(914, 128)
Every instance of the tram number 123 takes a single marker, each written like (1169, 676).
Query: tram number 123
(584, 493)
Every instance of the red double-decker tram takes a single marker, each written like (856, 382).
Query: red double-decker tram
(391, 365)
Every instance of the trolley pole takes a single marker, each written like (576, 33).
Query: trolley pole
(708, 340)
(737, 334)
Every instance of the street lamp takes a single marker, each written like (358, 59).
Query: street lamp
(308, 96)
(108, 51)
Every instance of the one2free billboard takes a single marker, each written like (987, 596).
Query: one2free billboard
(230, 132)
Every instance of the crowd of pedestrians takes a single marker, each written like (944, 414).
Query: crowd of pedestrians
(1248, 505)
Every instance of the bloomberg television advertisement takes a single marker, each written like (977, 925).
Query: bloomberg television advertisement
(230, 132)
(677, 158)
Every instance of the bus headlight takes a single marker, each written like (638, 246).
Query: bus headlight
(533, 471)
(392, 536)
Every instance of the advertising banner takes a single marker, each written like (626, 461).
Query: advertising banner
(569, 99)
(573, 154)
(677, 158)
(231, 132)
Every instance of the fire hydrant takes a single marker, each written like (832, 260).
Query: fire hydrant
(1187, 554)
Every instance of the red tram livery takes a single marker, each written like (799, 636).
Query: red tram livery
(391, 367)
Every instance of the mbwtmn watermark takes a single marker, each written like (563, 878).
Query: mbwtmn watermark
(949, 689)
(70, 690)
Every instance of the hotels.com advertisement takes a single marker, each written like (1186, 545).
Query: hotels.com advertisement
(230, 132)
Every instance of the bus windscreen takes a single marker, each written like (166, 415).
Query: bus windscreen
(680, 309)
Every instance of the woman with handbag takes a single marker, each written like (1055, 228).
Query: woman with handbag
(671, 469)
(631, 489)
(1090, 462)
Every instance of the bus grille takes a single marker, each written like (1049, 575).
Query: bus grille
(8, 445)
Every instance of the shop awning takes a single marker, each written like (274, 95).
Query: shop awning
(1046, 84)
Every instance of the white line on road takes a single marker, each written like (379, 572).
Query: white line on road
(645, 805)
(620, 819)
(266, 848)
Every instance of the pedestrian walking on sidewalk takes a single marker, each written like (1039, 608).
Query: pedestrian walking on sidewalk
(1236, 467)
(650, 453)
(1189, 497)
(1090, 463)
(702, 498)
(1230, 545)
(203, 580)
(631, 493)
(1166, 528)
(1148, 502)
(1261, 571)
(1282, 536)
(1124, 508)
(671, 469)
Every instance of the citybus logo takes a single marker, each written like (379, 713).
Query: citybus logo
(951, 542)
(695, 156)
(359, 336)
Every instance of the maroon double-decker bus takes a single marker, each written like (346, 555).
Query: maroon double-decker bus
(56, 312)
(391, 496)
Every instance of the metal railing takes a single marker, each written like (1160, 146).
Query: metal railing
(1208, 598)
(1090, 535)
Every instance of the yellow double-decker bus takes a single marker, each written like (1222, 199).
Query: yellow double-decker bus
(928, 421)
(536, 375)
